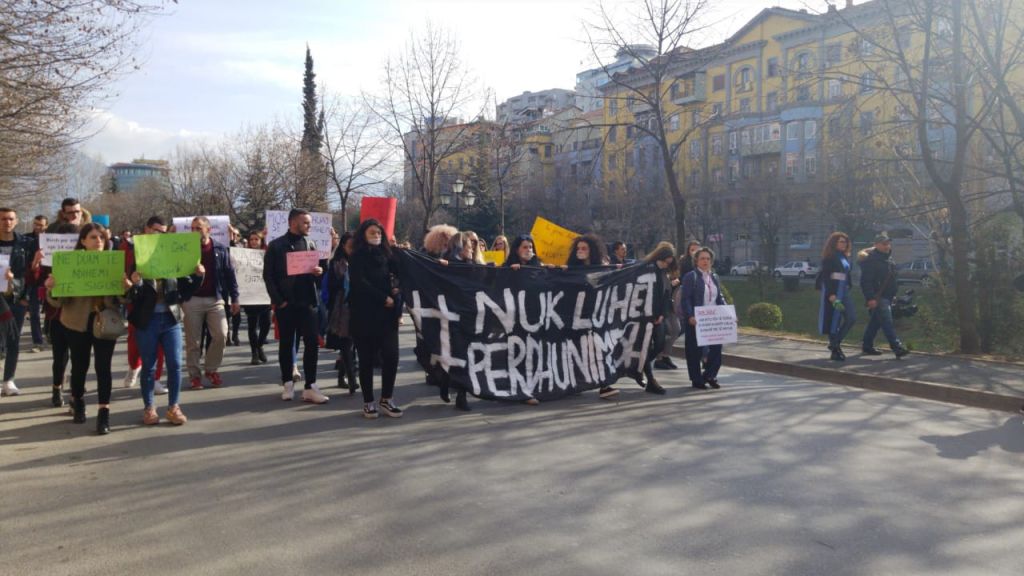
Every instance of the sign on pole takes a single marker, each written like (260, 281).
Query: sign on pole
(166, 255)
(50, 243)
(320, 232)
(551, 242)
(715, 324)
(248, 265)
(88, 273)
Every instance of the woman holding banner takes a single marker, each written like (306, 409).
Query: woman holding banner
(664, 259)
(588, 250)
(701, 287)
(375, 306)
(77, 316)
(521, 253)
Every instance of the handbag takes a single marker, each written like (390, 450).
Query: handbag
(109, 324)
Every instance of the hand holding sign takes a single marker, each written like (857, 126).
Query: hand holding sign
(166, 255)
(715, 324)
(306, 262)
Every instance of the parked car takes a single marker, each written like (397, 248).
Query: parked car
(798, 268)
(922, 271)
(746, 268)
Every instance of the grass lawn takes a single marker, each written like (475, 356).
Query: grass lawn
(928, 331)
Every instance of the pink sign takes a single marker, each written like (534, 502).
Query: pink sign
(303, 262)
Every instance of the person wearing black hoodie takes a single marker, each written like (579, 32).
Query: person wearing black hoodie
(878, 282)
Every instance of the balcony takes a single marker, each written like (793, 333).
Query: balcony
(698, 93)
(770, 147)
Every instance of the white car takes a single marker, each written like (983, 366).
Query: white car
(745, 268)
(798, 268)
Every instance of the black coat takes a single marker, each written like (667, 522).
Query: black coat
(301, 288)
(143, 300)
(826, 279)
(370, 275)
(878, 275)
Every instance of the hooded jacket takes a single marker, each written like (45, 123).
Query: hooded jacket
(877, 274)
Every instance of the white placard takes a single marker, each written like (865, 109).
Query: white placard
(248, 265)
(320, 232)
(5, 263)
(715, 325)
(218, 227)
(50, 243)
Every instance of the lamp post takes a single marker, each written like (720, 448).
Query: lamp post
(462, 196)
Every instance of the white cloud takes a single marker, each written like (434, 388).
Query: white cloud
(117, 139)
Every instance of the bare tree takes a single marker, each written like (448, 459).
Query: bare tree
(425, 89)
(354, 150)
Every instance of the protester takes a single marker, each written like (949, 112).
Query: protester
(77, 316)
(375, 307)
(435, 242)
(204, 301)
(701, 287)
(71, 212)
(673, 324)
(500, 244)
(686, 263)
(521, 253)
(154, 225)
(618, 255)
(33, 289)
(338, 336)
(588, 250)
(59, 349)
(663, 257)
(22, 259)
(257, 316)
(837, 313)
(878, 282)
(295, 298)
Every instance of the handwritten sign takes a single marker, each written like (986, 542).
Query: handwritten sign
(50, 243)
(218, 227)
(383, 209)
(496, 257)
(303, 262)
(166, 255)
(320, 232)
(88, 273)
(551, 242)
(5, 264)
(715, 324)
(248, 265)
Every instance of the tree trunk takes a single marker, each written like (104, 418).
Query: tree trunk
(965, 310)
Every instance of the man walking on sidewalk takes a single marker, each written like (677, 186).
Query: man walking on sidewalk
(878, 282)
(205, 303)
(20, 253)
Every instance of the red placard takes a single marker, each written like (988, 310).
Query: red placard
(303, 262)
(383, 209)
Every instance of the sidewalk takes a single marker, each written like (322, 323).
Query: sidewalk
(955, 379)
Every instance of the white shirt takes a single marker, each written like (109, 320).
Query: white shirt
(710, 289)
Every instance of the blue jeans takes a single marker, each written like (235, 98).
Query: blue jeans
(849, 316)
(881, 317)
(163, 332)
(13, 340)
(34, 320)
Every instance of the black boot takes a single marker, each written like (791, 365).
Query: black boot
(444, 391)
(461, 403)
(652, 385)
(349, 366)
(255, 359)
(262, 355)
(78, 410)
(836, 354)
(57, 398)
(103, 421)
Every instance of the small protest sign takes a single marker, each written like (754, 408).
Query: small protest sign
(5, 264)
(496, 257)
(166, 255)
(248, 263)
(715, 324)
(88, 273)
(551, 242)
(50, 243)
(319, 232)
(218, 227)
(302, 262)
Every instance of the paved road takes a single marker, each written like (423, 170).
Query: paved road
(767, 476)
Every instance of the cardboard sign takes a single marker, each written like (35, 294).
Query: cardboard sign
(5, 264)
(248, 263)
(166, 255)
(88, 273)
(383, 209)
(715, 324)
(497, 257)
(218, 227)
(320, 232)
(302, 262)
(551, 242)
(50, 243)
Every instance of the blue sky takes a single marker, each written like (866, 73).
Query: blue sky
(211, 67)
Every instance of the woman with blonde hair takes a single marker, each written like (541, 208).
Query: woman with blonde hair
(836, 314)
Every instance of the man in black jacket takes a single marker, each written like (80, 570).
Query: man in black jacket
(878, 282)
(295, 298)
(20, 253)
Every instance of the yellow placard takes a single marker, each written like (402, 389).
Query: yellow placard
(551, 242)
(496, 257)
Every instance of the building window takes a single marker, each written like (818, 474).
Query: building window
(613, 133)
(867, 82)
(792, 159)
(803, 63)
(734, 170)
(810, 164)
(674, 90)
(547, 150)
(613, 161)
(673, 122)
(744, 105)
(759, 134)
(835, 88)
(717, 176)
(716, 109)
(776, 132)
(810, 129)
(716, 145)
(867, 123)
(867, 47)
(695, 149)
(772, 102)
(744, 82)
(613, 106)
(903, 36)
(732, 142)
(718, 82)
(773, 67)
(833, 55)
(793, 131)
(629, 131)
(833, 126)
(803, 93)
(746, 138)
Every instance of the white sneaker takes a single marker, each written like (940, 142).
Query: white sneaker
(289, 392)
(159, 389)
(131, 378)
(9, 389)
(314, 395)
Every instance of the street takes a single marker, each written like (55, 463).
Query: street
(770, 475)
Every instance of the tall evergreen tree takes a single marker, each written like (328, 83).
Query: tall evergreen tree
(312, 117)
(311, 188)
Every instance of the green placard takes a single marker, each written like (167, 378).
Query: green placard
(166, 255)
(88, 273)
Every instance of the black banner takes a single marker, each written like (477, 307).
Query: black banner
(506, 334)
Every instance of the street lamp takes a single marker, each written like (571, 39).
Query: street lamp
(468, 198)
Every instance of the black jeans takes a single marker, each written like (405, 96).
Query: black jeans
(257, 320)
(694, 353)
(59, 342)
(83, 346)
(293, 320)
(13, 339)
(367, 348)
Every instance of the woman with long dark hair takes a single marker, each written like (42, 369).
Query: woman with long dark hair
(521, 253)
(585, 251)
(77, 316)
(375, 307)
(339, 313)
(837, 313)
(663, 257)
